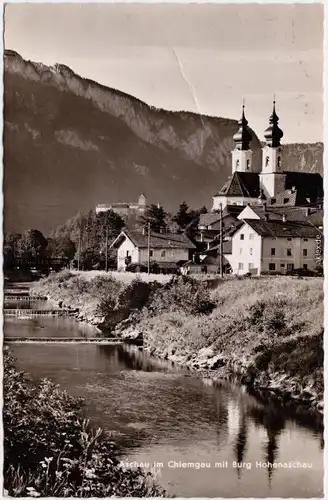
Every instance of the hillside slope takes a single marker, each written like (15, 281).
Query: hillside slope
(70, 143)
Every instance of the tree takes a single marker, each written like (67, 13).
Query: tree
(32, 244)
(183, 215)
(61, 247)
(155, 215)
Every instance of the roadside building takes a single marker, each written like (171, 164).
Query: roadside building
(166, 250)
(262, 246)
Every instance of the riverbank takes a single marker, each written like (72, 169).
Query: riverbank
(266, 333)
(51, 450)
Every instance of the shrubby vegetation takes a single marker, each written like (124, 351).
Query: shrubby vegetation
(51, 450)
(264, 330)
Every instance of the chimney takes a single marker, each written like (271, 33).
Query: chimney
(284, 218)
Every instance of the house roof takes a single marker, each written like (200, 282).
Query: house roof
(292, 214)
(157, 240)
(244, 184)
(280, 229)
(227, 248)
(212, 217)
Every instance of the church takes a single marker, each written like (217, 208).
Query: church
(273, 186)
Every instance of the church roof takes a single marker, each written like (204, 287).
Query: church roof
(245, 184)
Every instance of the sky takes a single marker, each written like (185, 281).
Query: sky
(199, 57)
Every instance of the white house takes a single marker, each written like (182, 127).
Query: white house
(164, 249)
(260, 246)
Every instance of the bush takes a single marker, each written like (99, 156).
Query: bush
(50, 450)
(181, 293)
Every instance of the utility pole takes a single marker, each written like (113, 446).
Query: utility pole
(221, 243)
(106, 253)
(148, 247)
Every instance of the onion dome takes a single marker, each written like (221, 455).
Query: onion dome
(243, 137)
(273, 133)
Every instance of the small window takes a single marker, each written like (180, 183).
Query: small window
(251, 251)
(237, 163)
(273, 251)
(240, 251)
(151, 253)
(305, 252)
(290, 267)
(127, 253)
(279, 162)
(305, 267)
(286, 200)
(240, 266)
(289, 252)
(250, 266)
(273, 201)
(267, 160)
(251, 236)
(272, 266)
(305, 239)
(241, 236)
(282, 265)
(163, 253)
(248, 164)
(289, 239)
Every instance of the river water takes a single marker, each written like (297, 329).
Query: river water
(170, 420)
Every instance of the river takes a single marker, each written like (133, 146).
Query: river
(170, 420)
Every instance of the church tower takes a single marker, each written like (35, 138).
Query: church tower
(242, 155)
(272, 177)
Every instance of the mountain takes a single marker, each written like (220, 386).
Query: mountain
(71, 143)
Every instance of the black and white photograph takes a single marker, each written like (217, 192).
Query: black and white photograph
(163, 243)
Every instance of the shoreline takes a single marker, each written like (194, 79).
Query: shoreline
(205, 364)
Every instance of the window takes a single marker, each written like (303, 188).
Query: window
(248, 164)
(163, 253)
(279, 162)
(127, 253)
(273, 251)
(282, 265)
(305, 267)
(240, 266)
(251, 236)
(305, 252)
(286, 200)
(237, 163)
(241, 236)
(290, 267)
(272, 266)
(250, 266)
(251, 251)
(240, 251)
(151, 253)
(289, 239)
(273, 201)
(267, 160)
(289, 252)
(305, 239)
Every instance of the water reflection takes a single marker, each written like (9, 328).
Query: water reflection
(161, 413)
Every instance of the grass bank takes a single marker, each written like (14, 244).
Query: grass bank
(265, 332)
(50, 450)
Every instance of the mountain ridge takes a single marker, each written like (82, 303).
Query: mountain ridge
(85, 143)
